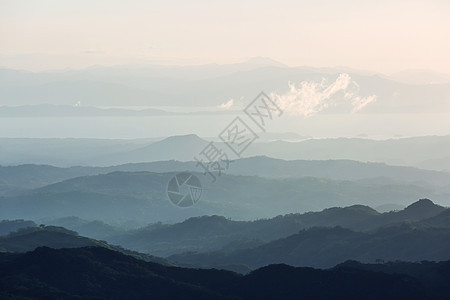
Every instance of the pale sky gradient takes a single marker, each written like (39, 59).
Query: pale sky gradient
(384, 35)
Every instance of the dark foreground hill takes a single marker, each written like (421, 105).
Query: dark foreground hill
(99, 273)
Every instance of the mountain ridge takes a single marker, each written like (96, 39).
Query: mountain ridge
(45, 272)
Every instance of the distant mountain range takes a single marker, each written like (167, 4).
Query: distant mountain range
(420, 77)
(142, 196)
(52, 110)
(49, 110)
(23, 177)
(429, 152)
(209, 85)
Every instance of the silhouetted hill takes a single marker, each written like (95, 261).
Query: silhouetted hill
(95, 272)
(417, 211)
(440, 220)
(432, 274)
(7, 226)
(28, 239)
(421, 209)
(326, 247)
(210, 233)
(95, 229)
(100, 273)
(286, 282)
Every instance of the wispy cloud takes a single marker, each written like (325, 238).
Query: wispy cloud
(311, 97)
(227, 105)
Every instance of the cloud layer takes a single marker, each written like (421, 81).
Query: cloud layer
(312, 97)
(227, 105)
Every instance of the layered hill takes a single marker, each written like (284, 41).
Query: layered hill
(326, 247)
(142, 196)
(95, 272)
(212, 233)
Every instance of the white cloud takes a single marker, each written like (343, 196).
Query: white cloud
(359, 103)
(227, 105)
(311, 97)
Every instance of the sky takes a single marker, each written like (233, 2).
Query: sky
(383, 36)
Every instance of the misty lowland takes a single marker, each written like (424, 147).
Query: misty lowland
(224, 150)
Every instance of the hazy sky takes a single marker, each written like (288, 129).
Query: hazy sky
(383, 35)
